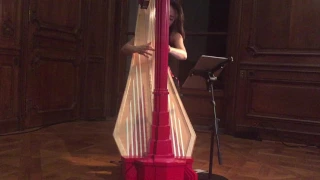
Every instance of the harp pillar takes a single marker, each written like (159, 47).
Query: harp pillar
(161, 163)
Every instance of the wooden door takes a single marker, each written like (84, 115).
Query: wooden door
(55, 52)
(275, 81)
(10, 51)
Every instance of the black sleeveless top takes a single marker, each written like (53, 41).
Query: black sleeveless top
(173, 65)
(172, 61)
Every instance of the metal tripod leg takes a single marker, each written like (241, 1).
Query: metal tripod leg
(214, 132)
(216, 125)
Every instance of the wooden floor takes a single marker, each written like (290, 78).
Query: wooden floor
(83, 150)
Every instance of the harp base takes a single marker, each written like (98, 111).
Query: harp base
(158, 169)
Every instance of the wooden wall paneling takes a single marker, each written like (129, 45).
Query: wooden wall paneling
(198, 104)
(284, 28)
(231, 72)
(84, 63)
(281, 98)
(10, 48)
(120, 38)
(54, 57)
(277, 80)
(23, 63)
(95, 64)
(113, 39)
(10, 24)
(9, 107)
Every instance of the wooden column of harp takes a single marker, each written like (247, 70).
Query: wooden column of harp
(133, 132)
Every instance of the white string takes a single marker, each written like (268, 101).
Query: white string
(137, 92)
(127, 129)
(176, 126)
(135, 116)
(172, 127)
(142, 110)
(131, 120)
(182, 146)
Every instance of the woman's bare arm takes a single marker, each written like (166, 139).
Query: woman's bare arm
(179, 51)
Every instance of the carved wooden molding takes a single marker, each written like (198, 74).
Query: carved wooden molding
(43, 26)
(35, 63)
(96, 59)
(280, 67)
(255, 50)
(31, 106)
(71, 108)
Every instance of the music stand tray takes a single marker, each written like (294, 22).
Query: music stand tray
(203, 75)
(197, 78)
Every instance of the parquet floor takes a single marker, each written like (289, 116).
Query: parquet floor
(83, 151)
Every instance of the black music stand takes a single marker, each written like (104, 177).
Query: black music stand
(209, 68)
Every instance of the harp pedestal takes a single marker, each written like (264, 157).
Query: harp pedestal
(148, 168)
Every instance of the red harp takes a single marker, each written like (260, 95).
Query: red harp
(153, 131)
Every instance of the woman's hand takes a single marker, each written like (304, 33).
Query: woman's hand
(144, 50)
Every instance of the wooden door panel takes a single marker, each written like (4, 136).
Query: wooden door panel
(96, 89)
(55, 55)
(97, 25)
(284, 100)
(10, 20)
(278, 65)
(63, 16)
(59, 44)
(277, 29)
(198, 104)
(9, 116)
(289, 96)
(10, 33)
(55, 81)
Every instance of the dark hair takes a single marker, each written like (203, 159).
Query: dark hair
(178, 24)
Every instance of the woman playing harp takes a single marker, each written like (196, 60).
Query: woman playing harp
(152, 121)
(176, 38)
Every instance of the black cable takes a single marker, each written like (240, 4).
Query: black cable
(262, 124)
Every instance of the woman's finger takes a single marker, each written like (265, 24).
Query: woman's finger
(149, 53)
(145, 55)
